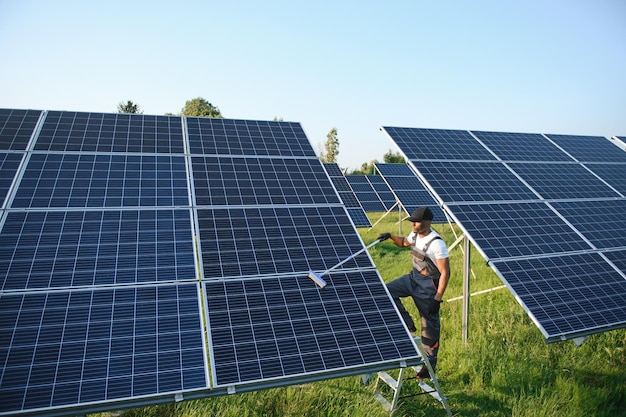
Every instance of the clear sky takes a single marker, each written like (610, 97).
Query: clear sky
(534, 66)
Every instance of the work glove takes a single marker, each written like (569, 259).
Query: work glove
(433, 306)
(384, 236)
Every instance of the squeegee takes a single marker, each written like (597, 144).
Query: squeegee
(317, 278)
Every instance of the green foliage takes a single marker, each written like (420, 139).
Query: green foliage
(506, 369)
(128, 107)
(331, 147)
(393, 158)
(200, 107)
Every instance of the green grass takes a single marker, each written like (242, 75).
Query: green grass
(505, 369)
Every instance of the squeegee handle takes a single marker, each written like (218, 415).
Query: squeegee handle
(350, 257)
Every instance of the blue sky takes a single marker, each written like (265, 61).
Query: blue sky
(531, 66)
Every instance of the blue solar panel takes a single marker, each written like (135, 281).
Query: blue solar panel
(568, 296)
(9, 163)
(16, 128)
(503, 230)
(102, 180)
(257, 181)
(56, 249)
(613, 174)
(473, 181)
(522, 146)
(263, 329)
(618, 258)
(277, 240)
(408, 189)
(422, 144)
(365, 193)
(563, 181)
(383, 190)
(109, 344)
(349, 199)
(602, 222)
(216, 136)
(589, 148)
(103, 132)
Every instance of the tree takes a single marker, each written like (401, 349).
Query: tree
(128, 107)
(393, 158)
(201, 108)
(331, 147)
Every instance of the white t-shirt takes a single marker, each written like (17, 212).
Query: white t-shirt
(437, 248)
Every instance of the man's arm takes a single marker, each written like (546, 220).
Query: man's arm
(443, 265)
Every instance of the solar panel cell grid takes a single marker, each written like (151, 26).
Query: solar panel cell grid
(568, 294)
(257, 181)
(108, 344)
(521, 146)
(613, 174)
(73, 180)
(589, 148)
(473, 181)
(9, 163)
(214, 136)
(563, 181)
(423, 144)
(517, 229)
(263, 241)
(16, 128)
(40, 250)
(263, 329)
(99, 132)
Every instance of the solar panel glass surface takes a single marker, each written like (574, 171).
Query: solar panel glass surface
(365, 193)
(521, 146)
(9, 163)
(613, 174)
(589, 148)
(262, 329)
(570, 295)
(16, 128)
(421, 144)
(473, 181)
(563, 181)
(99, 345)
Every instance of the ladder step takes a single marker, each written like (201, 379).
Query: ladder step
(386, 404)
(388, 379)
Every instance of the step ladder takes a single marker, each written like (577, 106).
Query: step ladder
(433, 388)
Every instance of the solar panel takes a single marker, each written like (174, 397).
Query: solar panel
(612, 174)
(421, 144)
(568, 296)
(563, 181)
(16, 128)
(602, 222)
(9, 163)
(541, 214)
(365, 193)
(589, 148)
(473, 181)
(264, 329)
(503, 230)
(349, 199)
(98, 345)
(408, 189)
(522, 146)
(384, 192)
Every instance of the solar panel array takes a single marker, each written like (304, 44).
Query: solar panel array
(372, 192)
(547, 212)
(130, 243)
(347, 195)
(409, 190)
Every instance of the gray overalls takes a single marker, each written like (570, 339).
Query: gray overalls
(421, 284)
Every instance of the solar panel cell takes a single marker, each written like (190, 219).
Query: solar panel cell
(16, 128)
(521, 146)
(589, 148)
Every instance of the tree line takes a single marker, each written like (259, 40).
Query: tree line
(200, 107)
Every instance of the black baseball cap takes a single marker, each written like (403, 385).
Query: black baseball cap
(422, 213)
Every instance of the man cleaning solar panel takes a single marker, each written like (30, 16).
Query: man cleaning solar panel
(426, 282)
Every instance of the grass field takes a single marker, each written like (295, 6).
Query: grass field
(505, 369)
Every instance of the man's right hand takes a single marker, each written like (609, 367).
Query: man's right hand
(384, 236)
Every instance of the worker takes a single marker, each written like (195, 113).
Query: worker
(426, 283)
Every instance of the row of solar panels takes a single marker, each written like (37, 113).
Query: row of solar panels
(547, 211)
(131, 243)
